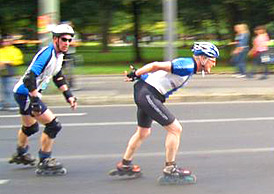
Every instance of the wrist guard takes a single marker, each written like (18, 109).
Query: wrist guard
(132, 75)
(67, 94)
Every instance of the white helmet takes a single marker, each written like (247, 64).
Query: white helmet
(62, 29)
(205, 48)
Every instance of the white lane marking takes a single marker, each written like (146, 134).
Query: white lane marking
(186, 153)
(172, 104)
(228, 120)
(4, 181)
(157, 154)
(57, 114)
(134, 123)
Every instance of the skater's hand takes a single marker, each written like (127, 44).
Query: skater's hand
(131, 76)
(35, 105)
(73, 102)
(70, 99)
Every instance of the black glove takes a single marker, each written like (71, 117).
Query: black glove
(67, 94)
(132, 75)
(35, 104)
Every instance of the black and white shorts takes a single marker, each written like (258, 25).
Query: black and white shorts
(150, 106)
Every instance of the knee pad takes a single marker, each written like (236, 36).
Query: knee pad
(53, 128)
(28, 131)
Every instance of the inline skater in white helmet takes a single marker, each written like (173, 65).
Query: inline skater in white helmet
(46, 65)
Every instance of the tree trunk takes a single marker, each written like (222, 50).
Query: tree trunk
(234, 16)
(106, 15)
(136, 18)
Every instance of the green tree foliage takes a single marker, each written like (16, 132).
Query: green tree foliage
(116, 16)
(19, 15)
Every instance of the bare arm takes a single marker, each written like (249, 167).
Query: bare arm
(154, 66)
(150, 67)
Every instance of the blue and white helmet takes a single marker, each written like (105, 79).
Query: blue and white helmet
(205, 48)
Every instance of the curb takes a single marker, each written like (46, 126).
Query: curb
(53, 100)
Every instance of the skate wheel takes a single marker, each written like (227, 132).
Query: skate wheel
(63, 171)
(31, 164)
(42, 172)
(113, 172)
(191, 179)
(137, 175)
(165, 180)
(38, 172)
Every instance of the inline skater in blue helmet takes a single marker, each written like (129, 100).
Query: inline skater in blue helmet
(155, 82)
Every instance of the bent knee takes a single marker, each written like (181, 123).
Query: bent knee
(53, 128)
(174, 127)
(28, 131)
(144, 132)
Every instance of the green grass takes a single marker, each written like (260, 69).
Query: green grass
(118, 59)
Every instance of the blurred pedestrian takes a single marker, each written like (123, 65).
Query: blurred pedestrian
(155, 82)
(70, 57)
(10, 58)
(46, 64)
(239, 54)
(259, 51)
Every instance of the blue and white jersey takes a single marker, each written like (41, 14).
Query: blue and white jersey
(45, 64)
(166, 83)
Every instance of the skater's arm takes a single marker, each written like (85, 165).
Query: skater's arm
(154, 66)
(69, 96)
(150, 67)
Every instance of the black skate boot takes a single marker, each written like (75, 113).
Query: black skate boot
(129, 170)
(175, 175)
(25, 159)
(50, 166)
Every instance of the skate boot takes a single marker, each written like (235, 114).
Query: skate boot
(129, 170)
(50, 166)
(177, 176)
(25, 159)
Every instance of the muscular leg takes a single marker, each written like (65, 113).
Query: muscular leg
(172, 143)
(27, 121)
(45, 141)
(135, 141)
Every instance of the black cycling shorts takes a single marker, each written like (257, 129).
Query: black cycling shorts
(150, 106)
(24, 104)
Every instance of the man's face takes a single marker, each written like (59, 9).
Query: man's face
(63, 42)
(210, 62)
(206, 63)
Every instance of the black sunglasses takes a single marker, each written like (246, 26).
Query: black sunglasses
(66, 39)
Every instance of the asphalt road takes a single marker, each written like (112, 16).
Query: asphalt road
(229, 146)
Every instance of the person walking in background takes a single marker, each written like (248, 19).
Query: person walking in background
(259, 51)
(239, 54)
(70, 58)
(10, 58)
